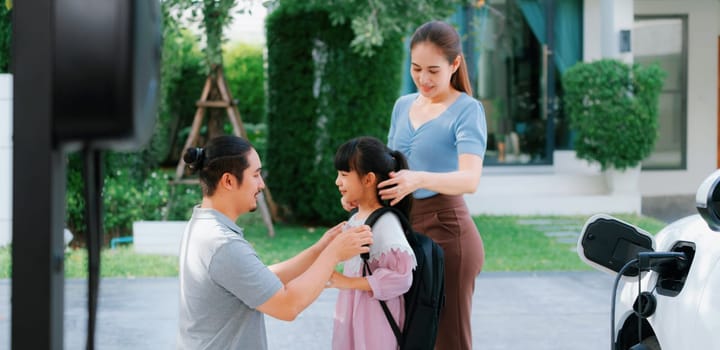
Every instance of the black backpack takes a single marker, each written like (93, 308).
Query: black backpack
(426, 296)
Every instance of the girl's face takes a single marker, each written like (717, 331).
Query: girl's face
(431, 71)
(351, 186)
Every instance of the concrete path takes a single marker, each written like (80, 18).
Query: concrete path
(540, 311)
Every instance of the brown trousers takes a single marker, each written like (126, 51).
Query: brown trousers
(447, 221)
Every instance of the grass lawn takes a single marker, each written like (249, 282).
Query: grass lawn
(540, 243)
(512, 243)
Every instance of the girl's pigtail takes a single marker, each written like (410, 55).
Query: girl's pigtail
(405, 205)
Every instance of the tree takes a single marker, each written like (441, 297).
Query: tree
(373, 21)
(213, 17)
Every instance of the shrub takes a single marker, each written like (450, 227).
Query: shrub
(613, 108)
(245, 76)
(128, 198)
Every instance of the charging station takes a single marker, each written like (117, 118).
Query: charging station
(86, 76)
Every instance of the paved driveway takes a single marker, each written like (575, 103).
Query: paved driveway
(540, 311)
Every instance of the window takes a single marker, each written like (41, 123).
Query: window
(663, 40)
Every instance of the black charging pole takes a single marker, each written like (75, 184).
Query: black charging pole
(86, 73)
(38, 185)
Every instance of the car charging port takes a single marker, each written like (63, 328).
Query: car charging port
(673, 273)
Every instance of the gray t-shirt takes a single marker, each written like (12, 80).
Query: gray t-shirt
(222, 281)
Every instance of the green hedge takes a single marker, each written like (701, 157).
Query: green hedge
(5, 35)
(320, 94)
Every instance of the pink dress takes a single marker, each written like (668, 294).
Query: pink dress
(360, 323)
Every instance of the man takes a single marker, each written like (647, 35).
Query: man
(224, 287)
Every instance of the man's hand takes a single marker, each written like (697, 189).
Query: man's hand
(330, 235)
(351, 242)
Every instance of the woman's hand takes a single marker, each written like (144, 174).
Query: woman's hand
(399, 185)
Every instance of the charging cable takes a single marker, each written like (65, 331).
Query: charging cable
(645, 261)
(614, 295)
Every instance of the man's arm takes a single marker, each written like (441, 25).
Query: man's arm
(300, 292)
(292, 268)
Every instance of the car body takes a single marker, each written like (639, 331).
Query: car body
(673, 304)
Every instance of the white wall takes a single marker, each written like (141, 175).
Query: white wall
(592, 31)
(570, 186)
(703, 17)
(602, 22)
(6, 119)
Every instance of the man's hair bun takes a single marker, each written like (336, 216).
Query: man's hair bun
(194, 158)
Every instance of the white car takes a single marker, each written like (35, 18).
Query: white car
(674, 302)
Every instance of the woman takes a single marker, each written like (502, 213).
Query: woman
(442, 131)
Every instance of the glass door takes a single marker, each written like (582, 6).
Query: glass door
(670, 54)
(514, 75)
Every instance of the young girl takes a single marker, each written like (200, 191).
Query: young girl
(360, 323)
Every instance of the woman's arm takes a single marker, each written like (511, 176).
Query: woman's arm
(465, 180)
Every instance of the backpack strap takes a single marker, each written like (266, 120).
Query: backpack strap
(370, 221)
(386, 310)
(375, 215)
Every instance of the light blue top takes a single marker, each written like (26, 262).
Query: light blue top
(436, 145)
(222, 281)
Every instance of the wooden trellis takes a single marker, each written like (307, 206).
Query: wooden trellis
(217, 81)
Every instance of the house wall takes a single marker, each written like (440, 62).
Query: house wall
(6, 126)
(703, 30)
(570, 186)
(602, 22)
